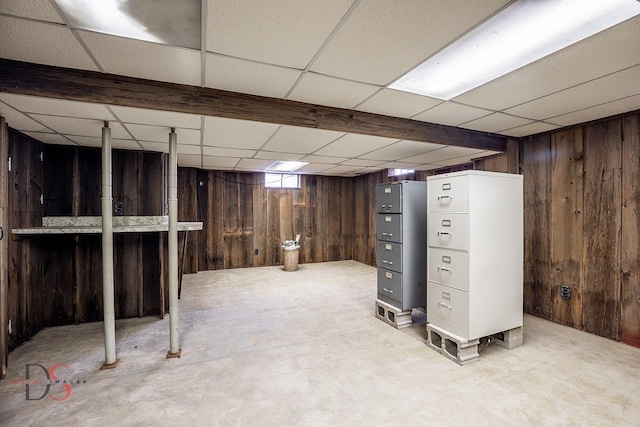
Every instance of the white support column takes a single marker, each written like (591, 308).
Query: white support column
(107, 254)
(174, 349)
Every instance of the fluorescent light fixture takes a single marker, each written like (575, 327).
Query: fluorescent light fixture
(522, 33)
(169, 22)
(285, 166)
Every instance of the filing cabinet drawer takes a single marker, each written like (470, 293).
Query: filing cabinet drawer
(389, 228)
(449, 230)
(449, 268)
(390, 284)
(449, 304)
(449, 194)
(388, 198)
(390, 256)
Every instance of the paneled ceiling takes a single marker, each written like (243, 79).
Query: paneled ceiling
(338, 53)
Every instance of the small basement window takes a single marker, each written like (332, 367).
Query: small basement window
(281, 180)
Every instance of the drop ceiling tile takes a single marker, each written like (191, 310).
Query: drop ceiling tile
(42, 43)
(232, 133)
(253, 164)
(49, 138)
(361, 162)
(293, 139)
(189, 160)
(189, 149)
(324, 159)
(401, 150)
(530, 129)
(382, 40)
(341, 169)
(209, 162)
(354, 145)
(606, 89)
(370, 169)
(227, 152)
(495, 122)
(427, 167)
(146, 60)
(161, 134)
(273, 156)
(21, 122)
(32, 9)
(464, 159)
(87, 141)
(156, 117)
(314, 168)
(324, 90)
(397, 103)
(81, 127)
(238, 75)
(160, 147)
(446, 153)
(399, 165)
(282, 33)
(613, 108)
(589, 59)
(57, 107)
(451, 113)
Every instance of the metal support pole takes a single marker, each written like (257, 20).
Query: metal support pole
(174, 349)
(107, 254)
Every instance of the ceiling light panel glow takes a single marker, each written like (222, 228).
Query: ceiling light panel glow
(170, 22)
(522, 33)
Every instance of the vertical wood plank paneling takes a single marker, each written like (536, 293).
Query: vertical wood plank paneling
(602, 220)
(89, 181)
(298, 219)
(309, 234)
(259, 214)
(273, 249)
(237, 220)
(566, 229)
(347, 216)
(217, 219)
(59, 192)
(152, 185)
(88, 278)
(188, 211)
(4, 247)
(537, 199)
(153, 274)
(630, 262)
(57, 286)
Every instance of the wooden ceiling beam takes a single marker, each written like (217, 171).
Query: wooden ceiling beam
(89, 86)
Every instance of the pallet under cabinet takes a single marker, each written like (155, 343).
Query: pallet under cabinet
(401, 250)
(475, 255)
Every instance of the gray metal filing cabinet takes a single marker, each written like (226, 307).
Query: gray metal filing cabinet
(402, 243)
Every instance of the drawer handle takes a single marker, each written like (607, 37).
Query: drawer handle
(445, 197)
(387, 290)
(447, 306)
(384, 261)
(387, 234)
(444, 233)
(445, 269)
(387, 206)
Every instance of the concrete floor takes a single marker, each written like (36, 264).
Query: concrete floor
(263, 346)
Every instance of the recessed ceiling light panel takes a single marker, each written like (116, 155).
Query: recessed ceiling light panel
(522, 33)
(170, 22)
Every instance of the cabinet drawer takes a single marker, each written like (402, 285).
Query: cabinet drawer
(448, 194)
(449, 304)
(449, 268)
(389, 228)
(449, 230)
(389, 256)
(389, 198)
(390, 284)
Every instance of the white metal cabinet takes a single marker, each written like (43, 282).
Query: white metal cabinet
(475, 277)
(402, 243)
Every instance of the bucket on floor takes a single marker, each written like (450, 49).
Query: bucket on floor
(291, 253)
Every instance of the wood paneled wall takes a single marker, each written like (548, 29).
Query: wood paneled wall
(57, 280)
(241, 216)
(582, 221)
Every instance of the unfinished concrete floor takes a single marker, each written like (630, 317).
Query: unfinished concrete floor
(263, 346)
